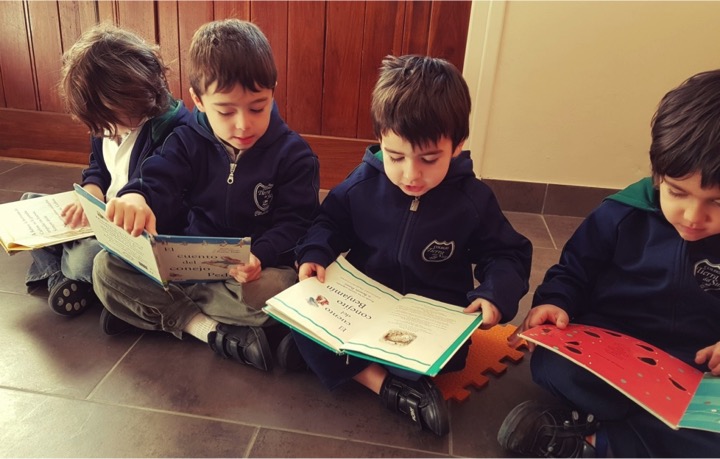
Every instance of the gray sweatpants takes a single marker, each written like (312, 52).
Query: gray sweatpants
(135, 298)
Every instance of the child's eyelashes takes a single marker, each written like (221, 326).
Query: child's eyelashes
(252, 110)
(397, 159)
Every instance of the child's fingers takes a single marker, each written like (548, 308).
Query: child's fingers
(151, 224)
(320, 273)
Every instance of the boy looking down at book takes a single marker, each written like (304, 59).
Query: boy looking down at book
(645, 263)
(414, 217)
(114, 83)
(236, 170)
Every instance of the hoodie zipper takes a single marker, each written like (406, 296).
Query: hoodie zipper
(231, 175)
(413, 208)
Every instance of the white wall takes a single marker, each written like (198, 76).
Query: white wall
(564, 91)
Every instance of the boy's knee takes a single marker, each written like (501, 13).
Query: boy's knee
(271, 282)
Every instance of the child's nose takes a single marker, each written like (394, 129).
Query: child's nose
(411, 171)
(241, 121)
(694, 213)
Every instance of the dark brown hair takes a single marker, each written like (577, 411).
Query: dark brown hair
(231, 52)
(421, 99)
(110, 77)
(686, 131)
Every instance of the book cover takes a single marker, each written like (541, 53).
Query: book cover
(35, 223)
(352, 314)
(166, 258)
(678, 394)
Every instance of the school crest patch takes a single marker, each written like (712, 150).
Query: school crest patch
(263, 198)
(707, 275)
(438, 251)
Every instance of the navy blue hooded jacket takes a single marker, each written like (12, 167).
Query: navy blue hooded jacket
(627, 269)
(272, 198)
(150, 138)
(428, 249)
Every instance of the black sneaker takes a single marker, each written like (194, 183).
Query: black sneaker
(244, 344)
(420, 401)
(288, 356)
(541, 429)
(112, 325)
(69, 297)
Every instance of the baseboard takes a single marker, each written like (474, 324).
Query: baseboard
(547, 198)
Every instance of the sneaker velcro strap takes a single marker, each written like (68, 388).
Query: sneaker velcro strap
(244, 344)
(401, 398)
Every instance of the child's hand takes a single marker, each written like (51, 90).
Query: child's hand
(132, 213)
(541, 314)
(74, 216)
(246, 272)
(309, 269)
(711, 355)
(490, 313)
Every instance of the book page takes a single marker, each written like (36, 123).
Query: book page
(199, 259)
(35, 223)
(331, 312)
(137, 251)
(657, 381)
(703, 412)
(417, 333)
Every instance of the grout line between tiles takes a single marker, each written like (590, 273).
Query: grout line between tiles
(552, 239)
(251, 442)
(107, 375)
(216, 419)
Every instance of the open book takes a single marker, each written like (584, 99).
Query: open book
(34, 223)
(351, 313)
(166, 258)
(676, 393)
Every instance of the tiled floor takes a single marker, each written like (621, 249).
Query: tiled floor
(67, 390)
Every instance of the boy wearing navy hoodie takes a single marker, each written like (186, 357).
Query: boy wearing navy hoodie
(645, 263)
(414, 217)
(236, 170)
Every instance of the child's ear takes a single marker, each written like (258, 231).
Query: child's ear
(458, 149)
(197, 100)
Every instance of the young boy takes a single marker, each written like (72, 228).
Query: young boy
(414, 217)
(235, 170)
(114, 83)
(644, 263)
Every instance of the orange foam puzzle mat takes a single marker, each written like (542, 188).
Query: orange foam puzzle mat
(487, 351)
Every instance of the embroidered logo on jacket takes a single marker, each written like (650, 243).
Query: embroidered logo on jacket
(263, 198)
(707, 275)
(438, 251)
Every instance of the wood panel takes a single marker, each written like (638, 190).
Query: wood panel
(47, 51)
(306, 37)
(139, 17)
(382, 36)
(168, 34)
(417, 25)
(449, 42)
(232, 9)
(191, 15)
(107, 11)
(343, 59)
(3, 102)
(75, 18)
(327, 53)
(55, 136)
(272, 18)
(15, 58)
(338, 156)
